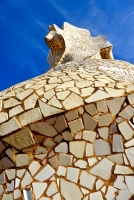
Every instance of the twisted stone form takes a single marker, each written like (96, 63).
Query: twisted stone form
(72, 44)
(69, 133)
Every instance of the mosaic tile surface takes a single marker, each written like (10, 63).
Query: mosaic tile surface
(69, 134)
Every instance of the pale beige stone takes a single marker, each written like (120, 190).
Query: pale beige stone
(50, 86)
(7, 196)
(75, 90)
(21, 139)
(111, 192)
(102, 169)
(74, 191)
(11, 103)
(126, 130)
(48, 110)
(114, 92)
(115, 104)
(40, 150)
(3, 117)
(77, 148)
(20, 172)
(24, 94)
(54, 102)
(89, 150)
(76, 125)
(66, 85)
(61, 171)
(91, 109)
(17, 194)
(34, 167)
(102, 148)
(38, 189)
(30, 102)
(49, 94)
(83, 84)
(81, 110)
(71, 115)
(72, 174)
(67, 136)
(65, 160)
(30, 116)
(101, 106)
(27, 179)
(87, 91)
(98, 95)
(40, 92)
(87, 180)
(22, 160)
(53, 162)
(105, 120)
(89, 122)
(45, 173)
(103, 132)
(130, 155)
(62, 148)
(127, 112)
(99, 184)
(131, 98)
(81, 164)
(117, 145)
(130, 88)
(119, 169)
(129, 143)
(9, 127)
(10, 174)
(99, 84)
(89, 135)
(49, 143)
(44, 128)
(16, 110)
(62, 95)
(72, 101)
(54, 80)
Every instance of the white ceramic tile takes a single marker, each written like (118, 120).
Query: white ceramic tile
(72, 174)
(45, 173)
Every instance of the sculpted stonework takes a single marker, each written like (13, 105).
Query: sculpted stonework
(68, 134)
(72, 44)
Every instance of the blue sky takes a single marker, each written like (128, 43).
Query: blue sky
(24, 23)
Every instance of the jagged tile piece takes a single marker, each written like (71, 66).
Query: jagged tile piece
(21, 139)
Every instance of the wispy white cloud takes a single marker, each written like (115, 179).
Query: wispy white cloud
(41, 24)
(127, 16)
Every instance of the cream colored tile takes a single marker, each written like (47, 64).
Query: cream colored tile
(98, 95)
(115, 104)
(72, 101)
(30, 102)
(103, 169)
(16, 110)
(30, 116)
(91, 109)
(76, 125)
(9, 127)
(105, 120)
(55, 102)
(3, 117)
(48, 110)
(77, 148)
